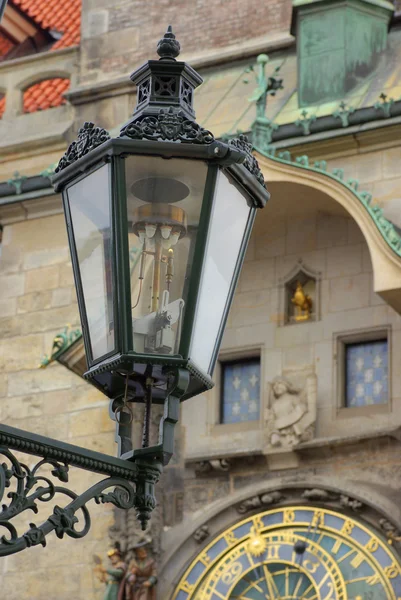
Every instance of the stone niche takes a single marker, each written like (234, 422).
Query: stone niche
(299, 295)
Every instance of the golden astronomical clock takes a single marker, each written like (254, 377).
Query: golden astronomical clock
(294, 553)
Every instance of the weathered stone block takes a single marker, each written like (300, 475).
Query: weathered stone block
(42, 279)
(301, 235)
(48, 320)
(10, 326)
(47, 257)
(298, 356)
(34, 301)
(101, 442)
(86, 396)
(54, 403)
(391, 162)
(12, 285)
(66, 275)
(331, 230)
(8, 307)
(90, 421)
(11, 259)
(23, 407)
(257, 274)
(350, 292)
(17, 354)
(61, 296)
(41, 380)
(343, 261)
(251, 307)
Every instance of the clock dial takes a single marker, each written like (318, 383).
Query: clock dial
(294, 553)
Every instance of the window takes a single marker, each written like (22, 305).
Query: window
(366, 373)
(240, 385)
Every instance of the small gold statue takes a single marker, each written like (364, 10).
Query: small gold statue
(303, 304)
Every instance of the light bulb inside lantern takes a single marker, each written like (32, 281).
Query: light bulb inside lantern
(150, 230)
(166, 244)
(165, 231)
(174, 237)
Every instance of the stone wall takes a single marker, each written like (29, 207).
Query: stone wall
(334, 246)
(37, 299)
(117, 36)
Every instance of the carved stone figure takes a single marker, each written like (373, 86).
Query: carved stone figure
(112, 576)
(201, 534)
(259, 501)
(291, 413)
(141, 579)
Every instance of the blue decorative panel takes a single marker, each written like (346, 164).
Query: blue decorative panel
(241, 391)
(366, 368)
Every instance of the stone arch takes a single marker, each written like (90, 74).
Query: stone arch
(382, 239)
(181, 548)
(37, 77)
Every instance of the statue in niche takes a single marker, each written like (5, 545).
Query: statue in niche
(137, 582)
(291, 413)
(302, 303)
(113, 575)
(141, 578)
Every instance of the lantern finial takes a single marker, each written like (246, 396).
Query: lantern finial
(168, 47)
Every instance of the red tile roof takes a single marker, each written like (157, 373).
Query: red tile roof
(2, 104)
(61, 15)
(5, 45)
(45, 94)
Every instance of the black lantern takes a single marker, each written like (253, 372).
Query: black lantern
(158, 222)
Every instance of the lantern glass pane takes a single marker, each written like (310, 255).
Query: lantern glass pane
(229, 220)
(164, 201)
(89, 201)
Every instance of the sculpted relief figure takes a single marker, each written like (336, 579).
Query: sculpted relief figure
(135, 582)
(291, 413)
(140, 581)
(112, 575)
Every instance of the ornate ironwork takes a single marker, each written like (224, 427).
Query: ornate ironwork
(168, 47)
(384, 104)
(89, 137)
(343, 112)
(169, 125)
(267, 86)
(29, 486)
(250, 162)
(305, 122)
(16, 181)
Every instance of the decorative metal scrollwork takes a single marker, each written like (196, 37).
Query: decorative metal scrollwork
(250, 163)
(169, 125)
(22, 488)
(89, 138)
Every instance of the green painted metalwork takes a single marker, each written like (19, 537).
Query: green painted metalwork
(386, 228)
(338, 45)
(384, 105)
(343, 112)
(61, 343)
(16, 181)
(49, 172)
(305, 122)
(266, 86)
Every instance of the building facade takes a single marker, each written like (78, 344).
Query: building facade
(286, 477)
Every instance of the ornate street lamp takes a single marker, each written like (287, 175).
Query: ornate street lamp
(158, 222)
